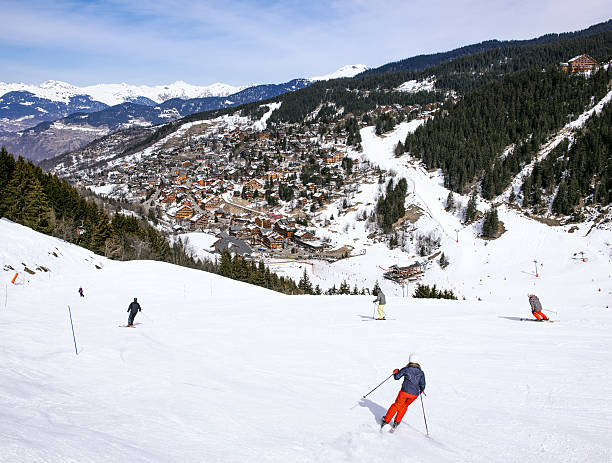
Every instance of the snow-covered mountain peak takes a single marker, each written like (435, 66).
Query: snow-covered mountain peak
(350, 70)
(112, 94)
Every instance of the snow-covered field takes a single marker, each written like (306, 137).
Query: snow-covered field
(220, 371)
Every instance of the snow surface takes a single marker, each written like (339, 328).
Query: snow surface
(217, 370)
(413, 86)
(350, 70)
(113, 94)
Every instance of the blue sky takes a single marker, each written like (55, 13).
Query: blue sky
(241, 42)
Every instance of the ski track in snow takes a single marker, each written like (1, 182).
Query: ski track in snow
(220, 371)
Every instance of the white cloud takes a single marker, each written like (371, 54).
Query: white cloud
(240, 42)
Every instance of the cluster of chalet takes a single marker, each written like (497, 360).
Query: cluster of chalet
(267, 232)
(580, 63)
(199, 180)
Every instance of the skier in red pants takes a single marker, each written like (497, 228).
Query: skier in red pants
(414, 384)
(536, 308)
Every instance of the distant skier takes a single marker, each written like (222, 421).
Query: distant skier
(413, 385)
(536, 308)
(133, 309)
(81, 292)
(382, 301)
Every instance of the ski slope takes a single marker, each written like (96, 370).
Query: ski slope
(220, 371)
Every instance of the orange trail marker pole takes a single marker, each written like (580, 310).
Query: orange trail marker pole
(14, 278)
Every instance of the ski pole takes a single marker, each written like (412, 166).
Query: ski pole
(548, 310)
(424, 417)
(378, 386)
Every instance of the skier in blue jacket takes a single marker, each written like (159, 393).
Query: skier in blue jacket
(413, 385)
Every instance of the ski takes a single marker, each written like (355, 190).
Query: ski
(534, 320)
(126, 326)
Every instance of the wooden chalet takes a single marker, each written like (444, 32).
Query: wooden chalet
(199, 222)
(284, 228)
(579, 63)
(254, 184)
(211, 202)
(399, 274)
(263, 222)
(169, 199)
(271, 239)
(336, 157)
(185, 212)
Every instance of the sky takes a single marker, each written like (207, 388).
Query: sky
(239, 42)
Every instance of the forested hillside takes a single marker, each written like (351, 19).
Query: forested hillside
(421, 62)
(521, 111)
(580, 173)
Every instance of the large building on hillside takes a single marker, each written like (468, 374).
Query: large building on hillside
(579, 63)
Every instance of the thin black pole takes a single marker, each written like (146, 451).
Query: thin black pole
(378, 386)
(72, 326)
(425, 418)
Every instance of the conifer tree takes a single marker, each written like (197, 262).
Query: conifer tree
(304, 284)
(490, 225)
(450, 201)
(470, 212)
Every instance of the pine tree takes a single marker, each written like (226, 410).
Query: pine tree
(450, 201)
(344, 288)
(470, 212)
(102, 232)
(399, 149)
(491, 223)
(560, 204)
(376, 288)
(512, 197)
(37, 212)
(225, 268)
(304, 284)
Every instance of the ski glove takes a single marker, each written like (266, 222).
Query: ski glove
(395, 371)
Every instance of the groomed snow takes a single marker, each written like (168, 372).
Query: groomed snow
(220, 371)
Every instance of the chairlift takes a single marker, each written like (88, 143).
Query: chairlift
(81, 229)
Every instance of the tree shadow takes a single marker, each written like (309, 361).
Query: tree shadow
(376, 409)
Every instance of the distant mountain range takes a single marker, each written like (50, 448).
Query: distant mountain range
(43, 121)
(39, 122)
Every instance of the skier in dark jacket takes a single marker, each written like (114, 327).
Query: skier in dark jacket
(413, 385)
(133, 309)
